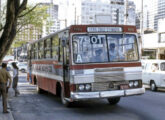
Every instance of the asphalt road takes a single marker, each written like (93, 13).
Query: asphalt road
(32, 106)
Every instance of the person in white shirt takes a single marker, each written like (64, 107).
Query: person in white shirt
(15, 78)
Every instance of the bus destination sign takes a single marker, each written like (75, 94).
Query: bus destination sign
(104, 29)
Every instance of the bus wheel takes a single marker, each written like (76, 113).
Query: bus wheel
(153, 86)
(39, 90)
(113, 101)
(63, 100)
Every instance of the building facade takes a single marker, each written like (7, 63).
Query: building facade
(98, 11)
(52, 24)
(156, 11)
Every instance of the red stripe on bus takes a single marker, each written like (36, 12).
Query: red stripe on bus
(56, 65)
(45, 62)
(91, 66)
(83, 28)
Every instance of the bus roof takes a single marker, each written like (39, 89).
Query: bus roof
(102, 28)
(94, 28)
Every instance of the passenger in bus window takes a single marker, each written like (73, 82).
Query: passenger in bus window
(121, 54)
(98, 56)
(85, 57)
(112, 52)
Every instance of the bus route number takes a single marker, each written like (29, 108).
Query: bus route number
(97, 40)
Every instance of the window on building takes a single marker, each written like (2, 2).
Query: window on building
(162, 37)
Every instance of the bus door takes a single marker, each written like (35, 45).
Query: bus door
(30, 65)
(66, 70)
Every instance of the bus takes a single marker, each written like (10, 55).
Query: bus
(83, 62)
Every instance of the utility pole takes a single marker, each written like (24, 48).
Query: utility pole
(117, 16)
(0, 10)
(52, 2)
(141, 23)
(126, 11)
(75, 19)
(75, 16)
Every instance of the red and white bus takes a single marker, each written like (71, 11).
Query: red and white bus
(85, 62)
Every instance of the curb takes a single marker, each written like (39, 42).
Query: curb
(8, 105)
(6, 116)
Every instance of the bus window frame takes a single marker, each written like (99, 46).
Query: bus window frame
(41, 49)
(55, 48)
(123, 34)
(47, 48)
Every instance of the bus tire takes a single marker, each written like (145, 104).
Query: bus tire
(113, 101)
(63, 100)
(39, 90)
(153, 86)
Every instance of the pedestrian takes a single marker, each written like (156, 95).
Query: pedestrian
(15, 78)
(4, 77)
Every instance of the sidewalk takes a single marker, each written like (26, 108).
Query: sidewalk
(6, 116)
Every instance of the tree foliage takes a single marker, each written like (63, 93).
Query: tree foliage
(33, 16)
(15, 16)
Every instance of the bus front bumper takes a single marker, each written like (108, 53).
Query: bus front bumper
(106, 94)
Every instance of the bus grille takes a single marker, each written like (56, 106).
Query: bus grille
(103, 86)
(109, 74)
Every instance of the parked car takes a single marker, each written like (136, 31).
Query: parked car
(21, 65)
(8, 58)
(154, 73)
(9, 65)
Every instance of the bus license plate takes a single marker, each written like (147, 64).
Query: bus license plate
(123, 87)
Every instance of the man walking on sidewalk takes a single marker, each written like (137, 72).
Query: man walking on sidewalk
(4, 76)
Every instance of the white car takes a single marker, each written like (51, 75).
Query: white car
(8, 58)
(21, 65)
(9, 65)
(154, 73)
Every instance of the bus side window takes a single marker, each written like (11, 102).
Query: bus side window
(36, 51)
(60, 51)
(40, 50)
(55, 47)
(33, 51)
(67, 54)
(47, 48)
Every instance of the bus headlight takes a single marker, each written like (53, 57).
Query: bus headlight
(131, 84)
(81, 87)
(136, 83)
(87, 87)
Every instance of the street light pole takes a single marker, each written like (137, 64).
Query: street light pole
(75, 12)
(141, 23)
(126, 11)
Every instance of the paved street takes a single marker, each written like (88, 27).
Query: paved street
(32, 106)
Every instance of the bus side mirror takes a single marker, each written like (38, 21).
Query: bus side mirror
(64, 41)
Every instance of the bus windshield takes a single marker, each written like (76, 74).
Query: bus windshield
(104, 48)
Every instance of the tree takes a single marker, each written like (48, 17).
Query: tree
(13, 11)
(31, 18)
